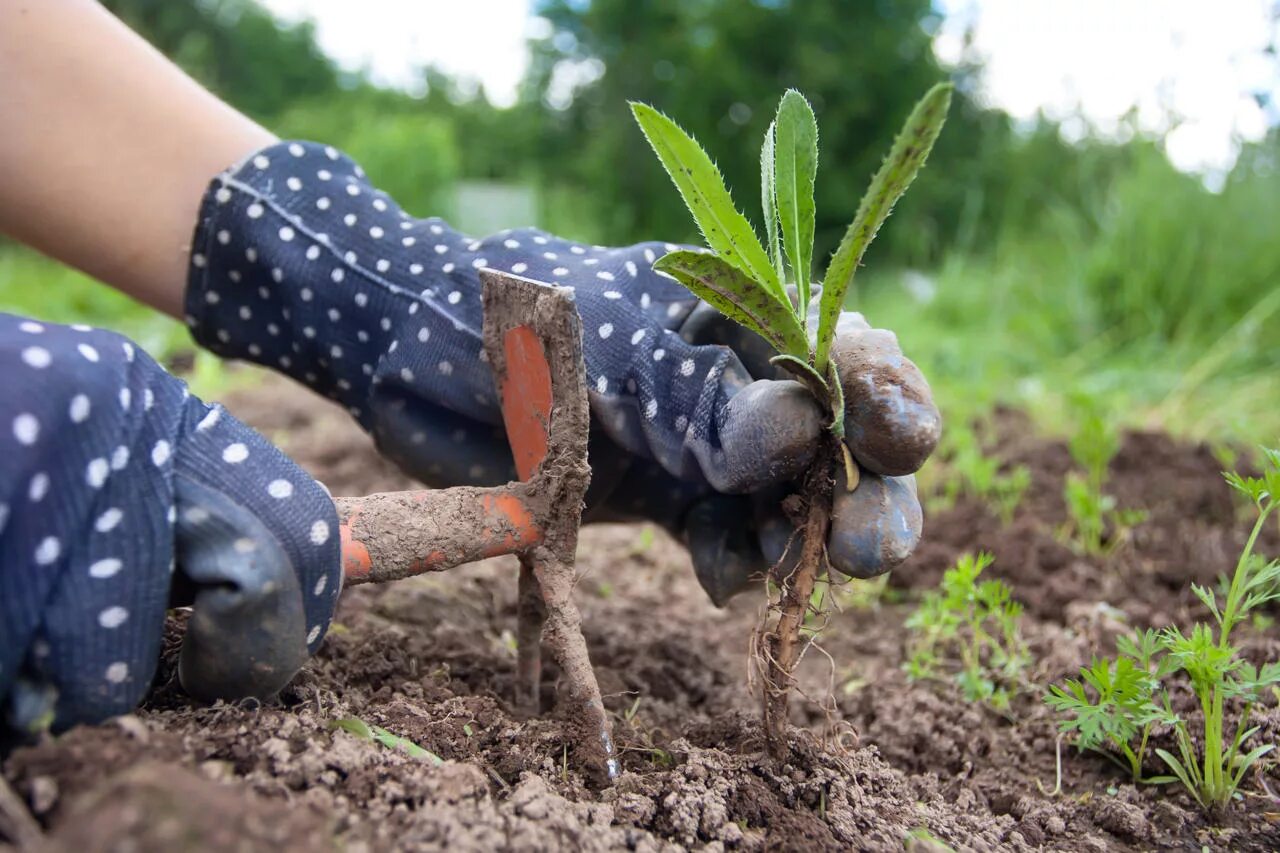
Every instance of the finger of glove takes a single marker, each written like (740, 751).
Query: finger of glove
(875, 527)
(725, 552)
(85, 537)
(257, 543)
(435, 445)
(648, 492)
(891, 422)
(658, 396)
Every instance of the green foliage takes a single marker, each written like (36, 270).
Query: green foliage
(967, 630)
(237, 49)
(406, 149)
(969, 470)
(769, 199)
(1118, 701)
(910, 150)
(378, 734)
(1113, 704)
(702, 187)
(1028, 319)
(1096, 524)
(737, 296)
(795, 170)
(740, 277)
(718, 65)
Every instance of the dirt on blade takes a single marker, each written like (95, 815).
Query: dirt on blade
(433, 660)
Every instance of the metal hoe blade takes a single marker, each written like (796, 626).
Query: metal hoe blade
(533, 343)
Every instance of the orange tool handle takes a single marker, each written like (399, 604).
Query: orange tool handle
(395, 535)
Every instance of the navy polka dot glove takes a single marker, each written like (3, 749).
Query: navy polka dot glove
(299, 263)
(122, 495)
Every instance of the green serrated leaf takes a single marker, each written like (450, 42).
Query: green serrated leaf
(769, 199)
(804, 372)
(737, 296)
(899, 169)
(796, 167)
(702, 187)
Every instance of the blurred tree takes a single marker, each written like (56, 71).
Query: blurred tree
(718, 68)
(406, 148)
(237, 49)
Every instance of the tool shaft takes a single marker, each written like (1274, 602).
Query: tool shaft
(396, 535)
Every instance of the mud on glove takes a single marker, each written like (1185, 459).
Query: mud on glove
(300, 264)
(122, 495)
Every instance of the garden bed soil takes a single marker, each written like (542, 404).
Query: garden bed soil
(432, 659)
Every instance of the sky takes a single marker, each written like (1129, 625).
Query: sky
(1182, 69)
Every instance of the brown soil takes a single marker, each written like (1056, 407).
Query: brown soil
(432, 659)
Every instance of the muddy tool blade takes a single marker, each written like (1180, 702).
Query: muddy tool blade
(533, 342)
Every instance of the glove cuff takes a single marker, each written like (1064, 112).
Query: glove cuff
(299, 264)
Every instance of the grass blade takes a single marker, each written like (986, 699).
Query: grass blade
(701, 185)
(769, 199)
(738, 297)
(899, 169)
(1176, 766)
(394, 741)
(796, 166)
(377, 734)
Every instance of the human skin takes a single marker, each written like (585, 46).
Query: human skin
(104, 162)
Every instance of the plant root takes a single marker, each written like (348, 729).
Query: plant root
(782, 647)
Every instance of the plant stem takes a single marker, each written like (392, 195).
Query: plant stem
(783, 644)
(1237, 579)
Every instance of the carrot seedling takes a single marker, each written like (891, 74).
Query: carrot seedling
(1096, 524)
(967, 630)
(1115, 703)
(747, 281)
(970, 471)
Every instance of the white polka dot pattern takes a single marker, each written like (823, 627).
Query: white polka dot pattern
(104, 452)
(397, 302)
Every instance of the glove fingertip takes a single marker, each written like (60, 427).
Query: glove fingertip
(875, 527)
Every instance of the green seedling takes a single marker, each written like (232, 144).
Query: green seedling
(967, 631)
(747, 281)
(1112, 707)
(972, 472)
(1116, 702)
(1096, 524)
(377, 734)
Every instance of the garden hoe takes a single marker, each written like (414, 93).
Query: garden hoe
(533, 343)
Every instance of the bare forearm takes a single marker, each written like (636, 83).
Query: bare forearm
(107, 146)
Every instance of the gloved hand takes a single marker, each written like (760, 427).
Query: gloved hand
(300, 264)
(122, 495)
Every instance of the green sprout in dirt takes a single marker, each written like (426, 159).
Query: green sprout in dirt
(967, 630)
(1117, 701)
(748, 281)
(1117, 722)
(1096, 525)
(377, 734)
(971, 471)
